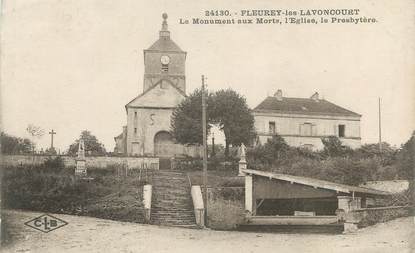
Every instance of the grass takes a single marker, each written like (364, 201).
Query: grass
(218, 178)
(225, 215)
(225, 208)
(226, 197)
(56, 190)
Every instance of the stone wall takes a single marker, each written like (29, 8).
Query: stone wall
(91, 161)
(393, 186)
(369, 216)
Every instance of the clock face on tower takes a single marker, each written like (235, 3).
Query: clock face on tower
(165, 59)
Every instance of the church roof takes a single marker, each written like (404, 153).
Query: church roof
(120, 136)
(165, 44)
(154, 86)
(302, 106)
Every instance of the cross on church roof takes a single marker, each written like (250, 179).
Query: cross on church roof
(164, 33)
(164, 43)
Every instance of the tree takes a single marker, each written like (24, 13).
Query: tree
(344, 170)
(406, 166)
(186, 121)
(275, 148)
(387, 154)
(406, 159)
(226, 108)
(35, 132)
(273, 152)
(14, 145)
(333, 147)
(92, 145)
(233, 116)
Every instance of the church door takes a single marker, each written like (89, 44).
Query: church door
(164, 145)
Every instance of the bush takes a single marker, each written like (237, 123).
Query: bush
(40, 188)
(336, 162)
(333, 147)
(376, 215)
(187, 164)
(54, 163)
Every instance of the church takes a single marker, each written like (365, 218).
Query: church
(147, 132)
(300, 121)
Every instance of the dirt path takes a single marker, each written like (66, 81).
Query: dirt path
(84, 234)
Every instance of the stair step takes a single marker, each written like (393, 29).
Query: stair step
(175, 221)
(168, 218)
(172, 204)
(158, 214)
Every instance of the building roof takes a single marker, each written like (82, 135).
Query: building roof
(120, 136)
(317, 183)
(165, 44)
(152, 87)
(302, 106)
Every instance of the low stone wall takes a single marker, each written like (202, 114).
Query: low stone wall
(393, 186)
(195, 151)
(369, 216)
(198, 205)
(91, 161)
(147, 194)
(225, 207)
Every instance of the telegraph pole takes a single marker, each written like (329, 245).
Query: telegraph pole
(204, 147)
(213, 145)
(380, 130)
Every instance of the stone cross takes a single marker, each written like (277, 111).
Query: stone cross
(51, 138)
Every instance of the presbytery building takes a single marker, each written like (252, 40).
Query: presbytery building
(302, 122)
(148, 114)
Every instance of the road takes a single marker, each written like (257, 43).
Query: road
(85, 234)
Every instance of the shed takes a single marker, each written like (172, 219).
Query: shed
(281, 199)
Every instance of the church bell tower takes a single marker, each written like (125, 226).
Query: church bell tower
(164, 62)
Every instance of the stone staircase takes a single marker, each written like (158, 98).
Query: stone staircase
(171, 200)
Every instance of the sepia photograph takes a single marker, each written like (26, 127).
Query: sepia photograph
(207, 126)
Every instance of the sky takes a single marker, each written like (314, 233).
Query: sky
(73, 65)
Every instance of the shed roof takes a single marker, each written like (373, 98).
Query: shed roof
(302, 106)
(316, 183)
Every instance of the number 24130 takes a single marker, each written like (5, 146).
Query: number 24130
(217, 13)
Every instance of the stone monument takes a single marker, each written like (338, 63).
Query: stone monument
(242, 161)
(80, 169)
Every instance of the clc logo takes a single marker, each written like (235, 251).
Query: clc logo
(46, 223)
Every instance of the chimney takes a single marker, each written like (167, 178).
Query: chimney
(315, 97)
(278, 95)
